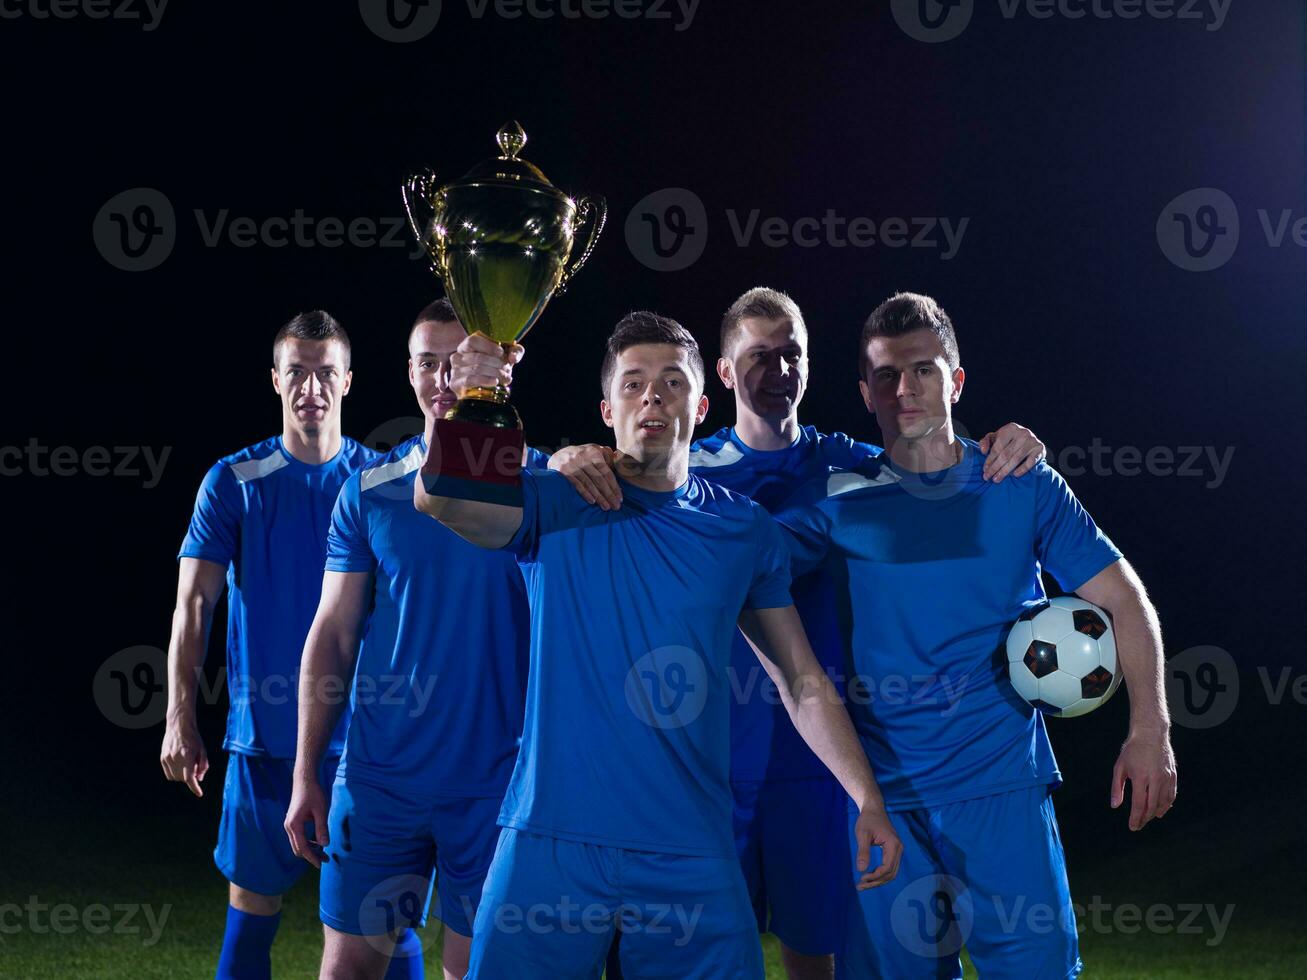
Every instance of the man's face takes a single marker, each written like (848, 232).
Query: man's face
(429, 350)
(909, 385)
(767, 367)
(654, 400)
(311, 378)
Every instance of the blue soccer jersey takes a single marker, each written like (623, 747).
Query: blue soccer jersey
(439, 688)
(764, 742)
(633, 612)
(938, 567)
(264, 515)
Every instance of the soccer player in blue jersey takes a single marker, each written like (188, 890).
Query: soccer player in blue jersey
(619, 809)
(260, 528)
(937, 563)
(789, 812)
(438, 703)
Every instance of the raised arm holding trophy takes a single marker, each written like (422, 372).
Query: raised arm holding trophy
(501, 241)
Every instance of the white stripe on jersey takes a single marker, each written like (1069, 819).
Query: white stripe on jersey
(256, 469)
(844, 482)
(394, 469)
(729, 453)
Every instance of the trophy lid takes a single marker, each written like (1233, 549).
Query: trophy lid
(507, 168)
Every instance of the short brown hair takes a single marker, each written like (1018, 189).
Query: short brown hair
(761, 302)
(437, 311)
(903, 313)
(313, 325)
(643, 327)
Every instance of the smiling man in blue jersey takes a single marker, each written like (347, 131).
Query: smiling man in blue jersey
(260, 528)
(619, 810)
(790, 814)
(438, 703)
(936, 563)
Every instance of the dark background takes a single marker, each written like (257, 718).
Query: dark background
(1062, 140)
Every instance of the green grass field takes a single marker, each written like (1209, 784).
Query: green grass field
(108, 860)
(115, 833)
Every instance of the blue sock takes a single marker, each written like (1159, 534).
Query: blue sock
(247, 946)
(406, 964)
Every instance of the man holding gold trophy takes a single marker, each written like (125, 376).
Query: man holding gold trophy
(619, 809)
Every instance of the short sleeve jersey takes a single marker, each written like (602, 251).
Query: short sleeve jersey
(936, 568)
(264, 515)
(438, 694)
(764, 742)
(633, 612)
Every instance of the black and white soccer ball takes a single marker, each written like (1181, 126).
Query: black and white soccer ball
(1061, 657)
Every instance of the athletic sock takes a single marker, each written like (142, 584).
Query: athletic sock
(247, 946)
(406, 964)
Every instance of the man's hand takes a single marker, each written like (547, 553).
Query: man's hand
(1148, 762)
(307, 804)
(183, 757)
(874, 829)
(1012, 449)
(479, 362)
(590, 469)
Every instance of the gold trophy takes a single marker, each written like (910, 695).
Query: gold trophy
(500, 240)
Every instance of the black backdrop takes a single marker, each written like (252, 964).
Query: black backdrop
(1062, 141)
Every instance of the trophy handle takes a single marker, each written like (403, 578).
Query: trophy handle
(417, 190)
(594, 212)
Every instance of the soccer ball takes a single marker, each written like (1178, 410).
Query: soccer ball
(1061, 657)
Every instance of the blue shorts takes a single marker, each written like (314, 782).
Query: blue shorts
(987, 874)
(253, 850)
(550, 908)
(790, 839)
(388, 849)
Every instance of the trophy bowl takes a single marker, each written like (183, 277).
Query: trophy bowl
(501, 241)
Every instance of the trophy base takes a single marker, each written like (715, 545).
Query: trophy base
(485, 411)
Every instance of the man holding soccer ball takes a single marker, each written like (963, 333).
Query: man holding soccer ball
(937, 563)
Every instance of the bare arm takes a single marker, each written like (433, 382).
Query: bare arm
(325, 671)
(484, 525)
(199, 585)
(478, 362)
(819, 715)
(1146, 758)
